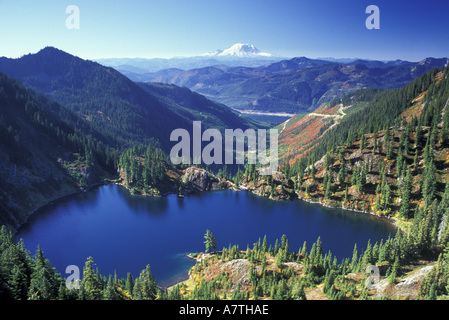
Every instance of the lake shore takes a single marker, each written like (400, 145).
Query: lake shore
(56, 199)
(397, 223)
(392, 220)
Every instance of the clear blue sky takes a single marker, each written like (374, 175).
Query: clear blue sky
(409, 30)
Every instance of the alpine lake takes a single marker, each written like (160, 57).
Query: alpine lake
(124, 233)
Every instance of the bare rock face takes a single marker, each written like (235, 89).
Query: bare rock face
(198, 179)
(415, 279)
(409, 286)
(279, 177)
(239, 272)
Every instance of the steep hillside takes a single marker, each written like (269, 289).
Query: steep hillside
(368, 111)
(301, 134)
(298, 135)
(262, 273)
(196, 107)
(389, 157)
(109, 100)
(46, 152)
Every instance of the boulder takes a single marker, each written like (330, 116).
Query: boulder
(198, 179)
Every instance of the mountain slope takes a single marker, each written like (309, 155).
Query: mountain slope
(365, 111)
(301, 134)
(381, 137)
(46, 152)
(393, 170)
(101, 95)
(195, 106)
(106, 98)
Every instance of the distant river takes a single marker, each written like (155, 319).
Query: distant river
(124, 233)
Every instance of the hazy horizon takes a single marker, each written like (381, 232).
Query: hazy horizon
(233, 58)
(166, 29)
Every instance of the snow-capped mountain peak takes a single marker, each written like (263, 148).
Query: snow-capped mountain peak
(240, 50)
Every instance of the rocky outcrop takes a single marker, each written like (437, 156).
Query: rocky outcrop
(408, 286)
(238, 270)
(198, 179)
(281, 189)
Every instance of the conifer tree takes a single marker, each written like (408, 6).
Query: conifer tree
(377, 205)
(361, 179)
(327, 186)
(394, 271)
(404, 210)
(374, 144)
(209, 242)
(129, 284)
(382, 256)
(304, 249)
(110, 292)
(355, 258)
(328, 281)
(264, 247)
(91, 285)
(399, 163)
(386, 194)
(137, 290)
(389, 150)
(362, 142)
(146, 285)
(368, 255)
(346, 195)
(18, 284)
(429, 182)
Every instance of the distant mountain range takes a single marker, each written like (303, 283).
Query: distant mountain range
(238, 54)
(293, 86)
(249, 80)
(240, 50)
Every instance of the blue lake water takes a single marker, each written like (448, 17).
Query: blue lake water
(124, 233)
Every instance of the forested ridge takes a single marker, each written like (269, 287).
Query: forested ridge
(47, 151)
(113, 104)
(382, 109)
(400, 153)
